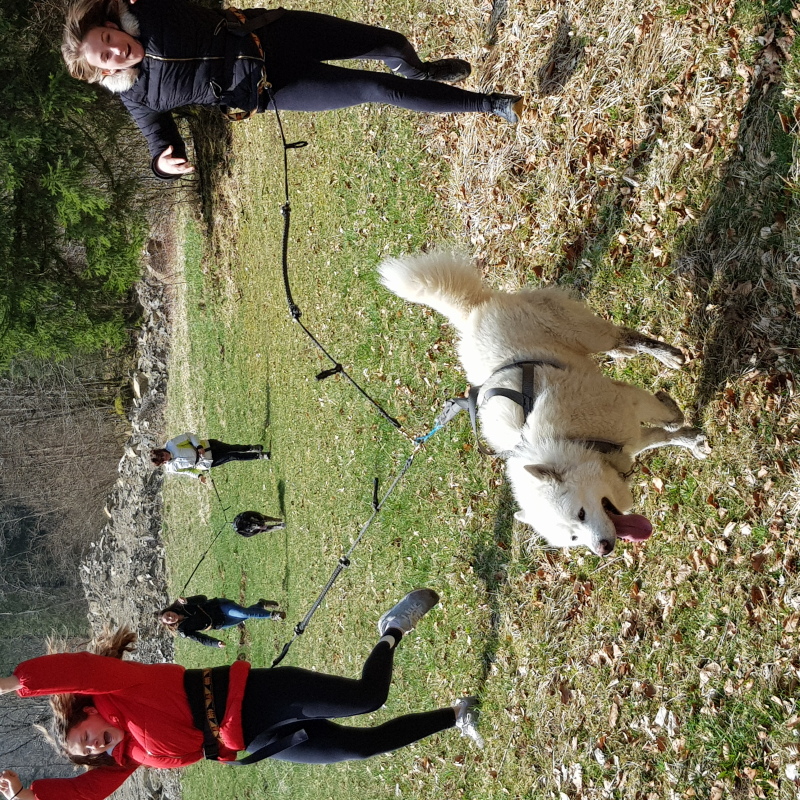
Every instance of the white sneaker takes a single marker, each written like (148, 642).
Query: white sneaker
(467, 719)
(409, 611)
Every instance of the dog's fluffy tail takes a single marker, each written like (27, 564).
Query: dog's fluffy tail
(446, 282)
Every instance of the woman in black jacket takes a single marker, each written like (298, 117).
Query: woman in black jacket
(163, 54)
(189, 616)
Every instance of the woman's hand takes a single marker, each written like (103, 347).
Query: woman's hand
(10, 784)
(10, 684)
(168, 164)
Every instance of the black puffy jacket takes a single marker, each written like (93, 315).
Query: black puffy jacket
(201, 614)
(190, 59)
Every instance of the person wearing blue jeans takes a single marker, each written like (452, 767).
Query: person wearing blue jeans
(190, 616)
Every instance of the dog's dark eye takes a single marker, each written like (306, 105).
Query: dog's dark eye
(582, 515)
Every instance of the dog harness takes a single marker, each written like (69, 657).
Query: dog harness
(525, 398)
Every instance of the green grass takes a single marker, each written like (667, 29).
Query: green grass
(253, 380)
(579, 662)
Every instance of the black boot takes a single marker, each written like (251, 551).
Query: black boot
(447, 70)
(507, 106)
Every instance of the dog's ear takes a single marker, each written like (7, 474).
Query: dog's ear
(519, 516)
(543, 472)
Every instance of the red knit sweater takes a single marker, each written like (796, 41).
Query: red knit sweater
(146, 701)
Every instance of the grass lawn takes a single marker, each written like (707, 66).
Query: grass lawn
(656, 173)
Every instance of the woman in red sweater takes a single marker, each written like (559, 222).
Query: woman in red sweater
(116, 715)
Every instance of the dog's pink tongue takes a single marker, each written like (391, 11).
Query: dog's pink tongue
(631, 527)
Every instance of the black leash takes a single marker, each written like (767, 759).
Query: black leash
(219, 533)
(337, 368)
(344, 561)
(203, 557)
(221, 504)
(294, 309)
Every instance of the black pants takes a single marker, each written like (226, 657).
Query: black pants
(297, 43)
(286, 699)
(222, 453)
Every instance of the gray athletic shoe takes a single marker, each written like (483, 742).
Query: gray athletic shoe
(507, 106)
(409, 611)
(467, 719)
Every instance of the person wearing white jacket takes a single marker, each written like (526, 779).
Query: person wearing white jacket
(187, 454)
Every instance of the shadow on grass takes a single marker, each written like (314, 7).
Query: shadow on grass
(734, 260)
(732, 263)
(489, 559)
(282, 497)
(600, 235)
(565, 55)
(499, 11)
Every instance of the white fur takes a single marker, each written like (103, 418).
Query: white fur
(555, 478)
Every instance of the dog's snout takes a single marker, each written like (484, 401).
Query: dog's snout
(604, 547)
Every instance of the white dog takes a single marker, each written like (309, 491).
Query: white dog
(568, 460)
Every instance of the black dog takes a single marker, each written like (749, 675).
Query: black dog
(249, 523)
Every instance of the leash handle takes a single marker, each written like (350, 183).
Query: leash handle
(327, 373)
(339, 369)
(285, 650)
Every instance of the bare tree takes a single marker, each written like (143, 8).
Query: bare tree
(60, 443)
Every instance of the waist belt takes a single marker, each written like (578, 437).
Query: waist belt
(207, 693)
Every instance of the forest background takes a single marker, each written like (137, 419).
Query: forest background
(74, 198)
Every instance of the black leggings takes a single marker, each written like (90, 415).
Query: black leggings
(222, 453)
(297, 43)
(287, 699)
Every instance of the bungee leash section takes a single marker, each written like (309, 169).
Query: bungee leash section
(344, 561)
(336, 369)
(294, 309)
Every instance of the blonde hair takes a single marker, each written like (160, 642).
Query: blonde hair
(83, 16)
(68, 709)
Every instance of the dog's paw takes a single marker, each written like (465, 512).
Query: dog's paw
(669, 356)
(674, 409)
(698, 443)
